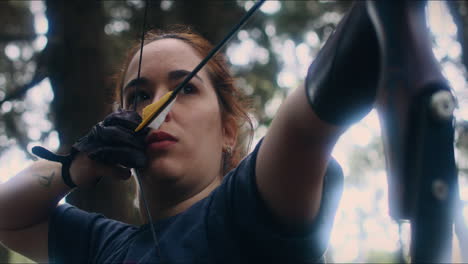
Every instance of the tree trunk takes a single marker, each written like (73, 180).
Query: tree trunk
(78, 74)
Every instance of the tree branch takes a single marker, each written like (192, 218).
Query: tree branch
(39, 75)
(20, 91)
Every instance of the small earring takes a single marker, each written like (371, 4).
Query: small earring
(228, 150)
(226, 159)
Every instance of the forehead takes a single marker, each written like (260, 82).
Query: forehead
(163, 55)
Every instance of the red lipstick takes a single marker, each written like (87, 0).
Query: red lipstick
(160, 140)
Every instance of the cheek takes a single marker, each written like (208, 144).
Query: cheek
(203, 123)
(208, 122)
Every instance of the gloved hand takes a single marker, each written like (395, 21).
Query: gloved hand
(341, 83)
(111, 142)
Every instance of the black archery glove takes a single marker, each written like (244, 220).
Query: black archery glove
(114, 142)
(342, 81)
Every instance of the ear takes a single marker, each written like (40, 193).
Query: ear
(230, 131)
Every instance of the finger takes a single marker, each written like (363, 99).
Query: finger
(127, 157)
(109, 137)
(103, 169)
(118, 136)
(127, 119)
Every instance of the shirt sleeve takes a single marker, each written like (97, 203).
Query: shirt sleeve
(253, 226)
(76, 236)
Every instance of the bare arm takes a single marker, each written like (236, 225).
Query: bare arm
(341, 87)
(292, 160)
(28, 199)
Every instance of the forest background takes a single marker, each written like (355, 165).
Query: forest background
(57, 59)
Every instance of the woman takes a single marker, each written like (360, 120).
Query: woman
(277, 205)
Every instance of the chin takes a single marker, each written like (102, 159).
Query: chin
(162, 170)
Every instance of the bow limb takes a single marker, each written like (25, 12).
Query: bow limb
(416, 113)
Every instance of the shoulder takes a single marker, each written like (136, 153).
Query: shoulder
(78, 236)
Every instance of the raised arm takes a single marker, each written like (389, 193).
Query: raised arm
(339, 90)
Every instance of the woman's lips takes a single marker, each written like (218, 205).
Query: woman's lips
(160, 145)
(160, 140)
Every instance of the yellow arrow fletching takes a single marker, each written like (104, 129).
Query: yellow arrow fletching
(150, 111)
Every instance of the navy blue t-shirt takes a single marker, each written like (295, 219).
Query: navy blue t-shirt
(231, 225)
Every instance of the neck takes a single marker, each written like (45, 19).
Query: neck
(171, 199)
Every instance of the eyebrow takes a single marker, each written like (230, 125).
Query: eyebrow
(178, 74)
(136, 82)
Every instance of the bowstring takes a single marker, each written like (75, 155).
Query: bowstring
(135, 98)
(135, 102)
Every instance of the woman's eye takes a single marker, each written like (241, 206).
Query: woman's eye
(188, 89)
(137, 97)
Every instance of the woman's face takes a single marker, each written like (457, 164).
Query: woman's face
(187, 148)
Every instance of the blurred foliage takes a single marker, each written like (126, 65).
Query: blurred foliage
(17, 258)
(16, 33)
(123, 26)
(381, 257)
(364, 159)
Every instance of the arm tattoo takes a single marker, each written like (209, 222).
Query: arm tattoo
(45, 181)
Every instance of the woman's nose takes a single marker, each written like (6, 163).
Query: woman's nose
(168, 116)
(158, 97)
